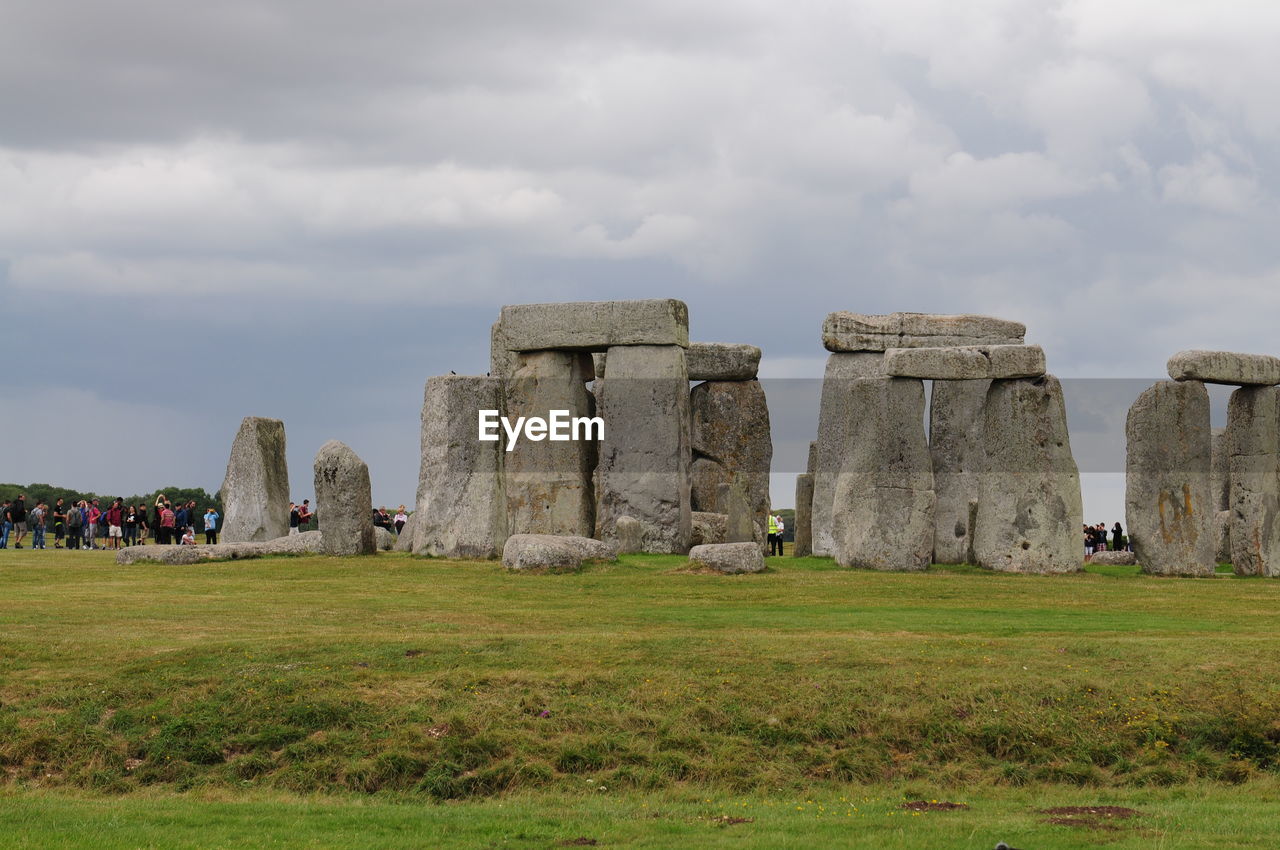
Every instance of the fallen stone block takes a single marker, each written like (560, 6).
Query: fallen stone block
(595, 325)
(966, 363)
(845, 331)
(1114, 559)
(729, 558)
(1225, 367)
(722, 361)
(550, 551)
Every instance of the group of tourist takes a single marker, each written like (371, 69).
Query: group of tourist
(85, 524)
(1095, 539)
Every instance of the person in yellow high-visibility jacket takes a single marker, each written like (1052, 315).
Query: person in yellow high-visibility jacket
(773, 533)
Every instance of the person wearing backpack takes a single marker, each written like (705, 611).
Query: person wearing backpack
(75, 519)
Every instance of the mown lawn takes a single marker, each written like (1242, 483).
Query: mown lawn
(396, 701)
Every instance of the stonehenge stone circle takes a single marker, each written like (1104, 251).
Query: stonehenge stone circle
(1169, 505)
(1225, 367)
(957, 421)
(645, 454)
(549, 483)
(833, 415)
(803, 545)
(462, 504)
(729, 558)
(344, 502)
(1253, 440)
(550, 551)
(730, 437)
(722, 361)
(255, 491)
(976, 362)
(1030, 512)
(595, 325)
(884, 499)
(845, 331)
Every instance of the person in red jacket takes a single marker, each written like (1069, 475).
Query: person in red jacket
(115, 522)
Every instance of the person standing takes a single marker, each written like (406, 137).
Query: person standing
(168, 523)
(74, 519)
(36, 520)
(772, 537)
(94, 514)
(59, 523)
(115, 523)
(18, 516)
(304, 514)
(211, 527)
(781, 534)
(6, 523)
(293, 518)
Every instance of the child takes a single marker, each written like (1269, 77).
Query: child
(188, 536)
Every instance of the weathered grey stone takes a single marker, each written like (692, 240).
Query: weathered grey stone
(1168, 500)
(722, 361)
(1253, 439)
(404, 540)
(462, 504)
(550, 551)
(811, 465)
(344, 503)
(255, 492)
(383, 540)
(957, 418)
(645, 454)
(884, 499)
(595, 325)
(501, 359)
(1114, 559)
(729, 558)
(709, 527)
(597, 363)
(549, 483)
(1220, 471)
(630, 534)
(803, 541)
(833, 416)
(730, 427)
(1225, 367)
(961, 363)
(1222, 537)
(1030, 513)
(306, 543)
(722, 495)
(741, 525)
(844, 331)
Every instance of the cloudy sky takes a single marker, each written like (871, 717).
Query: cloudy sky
(302, 210)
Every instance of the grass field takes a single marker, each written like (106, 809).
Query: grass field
(401, 702)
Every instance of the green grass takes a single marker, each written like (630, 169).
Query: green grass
(274, 696)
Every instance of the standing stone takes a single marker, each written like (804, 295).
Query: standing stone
(811, 465)
(548, 482)
(730, 432)
(1168, 501)
(1220, 473)
(645, 453)
(1253, 439)
(1222, 535)
(740, 526)
(833, 415)
(344, 503)
(957, 418)
(462, 505)
(1030, 513)
(803, 545)
(884, 500)
(404, 540)
(255, 492)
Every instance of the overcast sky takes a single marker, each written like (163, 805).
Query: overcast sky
(304, 209)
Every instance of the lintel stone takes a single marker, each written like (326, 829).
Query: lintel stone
(595, 325)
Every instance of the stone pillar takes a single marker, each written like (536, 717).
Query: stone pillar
(1220, 481)
(731, 437)
(255, 492)
(740, 525)
(548, 483)
(501, 361)
(884, 501)
(344, 502)
(1030, 514)
(462, 506)
(956, 421)
(804, 501)
(645, 454)
(1169, 505)
(1253, 440)
(833, 414)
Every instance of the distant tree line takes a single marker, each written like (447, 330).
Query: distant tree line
(51, 493)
